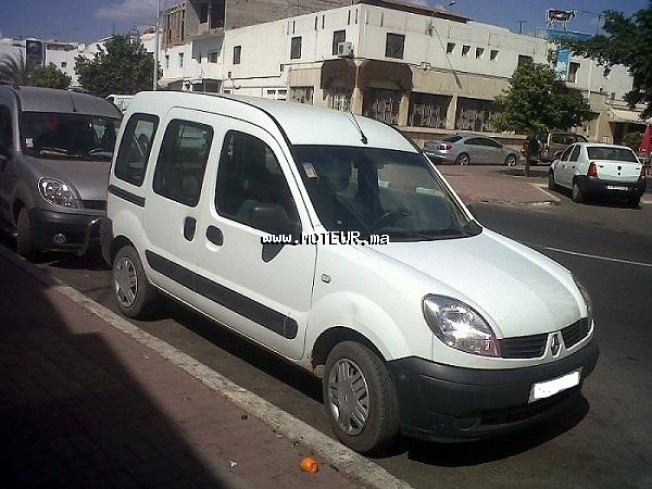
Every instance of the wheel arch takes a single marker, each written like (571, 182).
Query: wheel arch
(331, 337)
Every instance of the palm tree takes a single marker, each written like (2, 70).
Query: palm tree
(16, 69)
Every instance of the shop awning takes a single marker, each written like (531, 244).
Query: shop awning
(630, 116)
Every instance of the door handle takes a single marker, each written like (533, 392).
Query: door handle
(189, 227)
(215, 235)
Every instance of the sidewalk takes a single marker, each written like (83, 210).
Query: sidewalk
(475, 184)
(82, 404)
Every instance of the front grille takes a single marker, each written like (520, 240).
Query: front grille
(523, 346)
(576, 332)
(99, 205)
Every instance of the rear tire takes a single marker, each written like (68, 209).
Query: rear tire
(24, 235)
(463, 159)
(360, 399)
(634, 202)
(133, 293)
(578, 195)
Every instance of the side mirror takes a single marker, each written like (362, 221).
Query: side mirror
(272, 219)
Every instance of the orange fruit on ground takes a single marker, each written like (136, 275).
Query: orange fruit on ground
(309, 464)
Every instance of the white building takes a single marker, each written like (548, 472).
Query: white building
(426, 70)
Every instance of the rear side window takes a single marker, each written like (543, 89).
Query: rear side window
(250, 174)
(133, 154)
(559, 139)
(182, 161)
(611, 154)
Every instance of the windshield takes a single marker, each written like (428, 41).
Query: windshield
(65, 136)
(380, 191)
(608, 153)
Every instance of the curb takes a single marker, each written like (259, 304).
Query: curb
(336, 454)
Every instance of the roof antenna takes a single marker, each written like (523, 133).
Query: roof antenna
(363, 138)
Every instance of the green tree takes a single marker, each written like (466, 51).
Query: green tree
(123, 66)
(627, 42)
(537, 101)
(51, 77)
(16, 69)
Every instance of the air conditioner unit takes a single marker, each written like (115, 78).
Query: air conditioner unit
(345, 49)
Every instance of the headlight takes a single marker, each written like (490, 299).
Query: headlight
(459, 326)
(587, 299)
(56, 192)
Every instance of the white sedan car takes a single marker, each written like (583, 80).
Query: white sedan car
(589, 169)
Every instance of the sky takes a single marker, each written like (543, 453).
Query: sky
(91, 20)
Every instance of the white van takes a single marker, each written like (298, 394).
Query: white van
(333, 241)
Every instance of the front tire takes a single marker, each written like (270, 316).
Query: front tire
(510, 160)
(463, 159)
(360, 398)
(552, 186)
(133, 293)
(24, 235)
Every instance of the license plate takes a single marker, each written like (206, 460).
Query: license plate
(549, 388)
(617, 187)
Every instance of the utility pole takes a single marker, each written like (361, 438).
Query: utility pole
(156, 48)
(520, 25)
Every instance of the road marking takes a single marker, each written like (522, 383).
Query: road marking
(597, 257)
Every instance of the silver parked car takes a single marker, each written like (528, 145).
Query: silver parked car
(55, 154)
(470, 149)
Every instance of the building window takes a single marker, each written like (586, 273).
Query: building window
(199, 57)
(523, 59)
(236, 54)
(212, 56)
(428, 110)
(203, 13)
(218, 12)
(303, 95)
(494, 55)
(180, 60)
(167, 61)
(340, 99)
(338, 37)
(479, 53)
(573, 68)
(474, 115)
(381, 104)
(394, 45)
(64, 64)
(450, 47)
(465, 50)
(295, 48)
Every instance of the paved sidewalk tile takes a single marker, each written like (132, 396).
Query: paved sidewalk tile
(83, 405)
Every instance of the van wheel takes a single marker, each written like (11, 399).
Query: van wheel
(463, 159)
(360, 398)
(24, 236)
(578, 195)
(133, 292)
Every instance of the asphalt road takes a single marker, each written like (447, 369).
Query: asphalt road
(605, 441)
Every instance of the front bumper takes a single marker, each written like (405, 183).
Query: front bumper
(593, 185)
(59, 231)
(445, 403)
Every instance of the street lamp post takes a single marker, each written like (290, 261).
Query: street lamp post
(156, 48)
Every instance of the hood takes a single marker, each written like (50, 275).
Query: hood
(518, 291)
(89, 178)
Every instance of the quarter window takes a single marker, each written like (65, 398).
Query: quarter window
(133, 154)
(249, 174)
(182, 160)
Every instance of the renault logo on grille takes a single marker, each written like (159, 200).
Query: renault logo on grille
(555, 345)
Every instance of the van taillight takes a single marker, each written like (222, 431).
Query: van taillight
(593, 170)
(445, 147)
